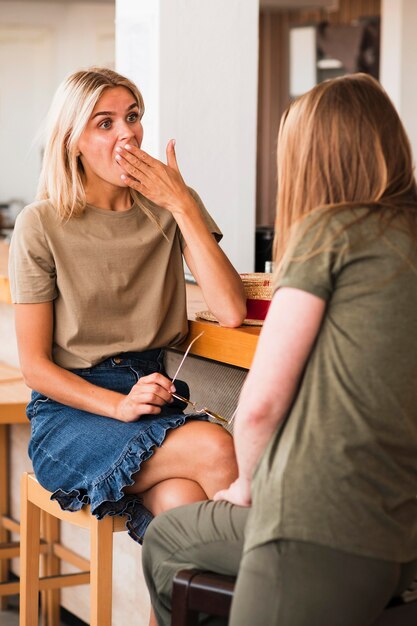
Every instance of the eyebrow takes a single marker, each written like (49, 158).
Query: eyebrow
(134, 105)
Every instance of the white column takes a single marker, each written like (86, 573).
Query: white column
(399, 60)
(196, 63)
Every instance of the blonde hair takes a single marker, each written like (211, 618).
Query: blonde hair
(61, 180)
(342, 145)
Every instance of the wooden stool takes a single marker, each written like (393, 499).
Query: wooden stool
(14, 396)
(195, 591)
(97, 571)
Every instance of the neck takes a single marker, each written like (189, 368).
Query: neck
(118, 199)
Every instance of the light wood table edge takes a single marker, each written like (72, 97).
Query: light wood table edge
(231, 346)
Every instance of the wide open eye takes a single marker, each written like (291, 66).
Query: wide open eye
(133, 117)
(106, 124)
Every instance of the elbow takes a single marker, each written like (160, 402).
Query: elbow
(29, 376)
(234, 316)
(33, 372)
(233, 320)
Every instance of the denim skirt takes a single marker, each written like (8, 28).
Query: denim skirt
(84, 458)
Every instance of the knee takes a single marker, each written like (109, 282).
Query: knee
(175, 492)
(218, 453)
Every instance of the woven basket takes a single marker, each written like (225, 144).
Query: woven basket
(258, 291)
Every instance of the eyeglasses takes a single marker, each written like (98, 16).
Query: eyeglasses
(210, 413)
(216, 416)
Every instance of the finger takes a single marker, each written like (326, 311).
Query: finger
(220, 495)
(151, 393)
(140, 410)
(147, 409)
(171, 156)
(159, 379)
(133, 152)
(157, 390)
(136, 170)
(125, 158)
(149, 398)
(137, 185)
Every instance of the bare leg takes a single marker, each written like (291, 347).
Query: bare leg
(167, 495)
(152, 618)
(194, 462)
(172, 493)
(198, 451)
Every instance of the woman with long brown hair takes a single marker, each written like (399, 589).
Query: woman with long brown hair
(321, 524)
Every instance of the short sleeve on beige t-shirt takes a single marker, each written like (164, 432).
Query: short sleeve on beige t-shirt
(31, 263)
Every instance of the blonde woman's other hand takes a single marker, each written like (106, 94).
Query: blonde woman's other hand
(146, 397)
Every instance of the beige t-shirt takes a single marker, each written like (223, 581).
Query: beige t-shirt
(116, 282)
(342, 471)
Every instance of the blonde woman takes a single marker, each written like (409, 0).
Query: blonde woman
(97, 276)
(324, 531)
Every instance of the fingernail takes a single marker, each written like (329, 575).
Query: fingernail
(123, 177)
(174, 141)
(128, 146)
(118, 157)
(118, 149)
(173, 389)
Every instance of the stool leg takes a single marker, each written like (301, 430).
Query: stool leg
(30, 522)
(181, 614)
(101, 569)
(4, 505)
(52, 598)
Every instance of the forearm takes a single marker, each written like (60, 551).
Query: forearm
(255, 424)
(220, 283)
(285, 343)
(67, 388)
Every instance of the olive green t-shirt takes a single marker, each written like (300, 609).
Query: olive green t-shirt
(342, 469)
(117, 284)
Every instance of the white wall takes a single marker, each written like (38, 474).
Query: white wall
(197, 64)
(399, 60)
(40, 43)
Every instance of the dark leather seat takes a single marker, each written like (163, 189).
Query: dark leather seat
(196, 591)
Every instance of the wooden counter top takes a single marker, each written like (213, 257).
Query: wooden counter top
(233, 346)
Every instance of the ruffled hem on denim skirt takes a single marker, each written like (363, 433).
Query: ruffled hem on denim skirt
(106, 496)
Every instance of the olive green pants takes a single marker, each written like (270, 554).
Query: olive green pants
(281, 583)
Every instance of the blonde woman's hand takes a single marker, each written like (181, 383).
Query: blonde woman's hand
(160, 183)
(146, 397)
(238, 493)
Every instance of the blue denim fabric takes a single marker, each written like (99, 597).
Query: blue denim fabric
(84, 458)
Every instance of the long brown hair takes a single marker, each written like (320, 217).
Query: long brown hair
(342, 144)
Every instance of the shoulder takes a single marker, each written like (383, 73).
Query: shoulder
(37, 214)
